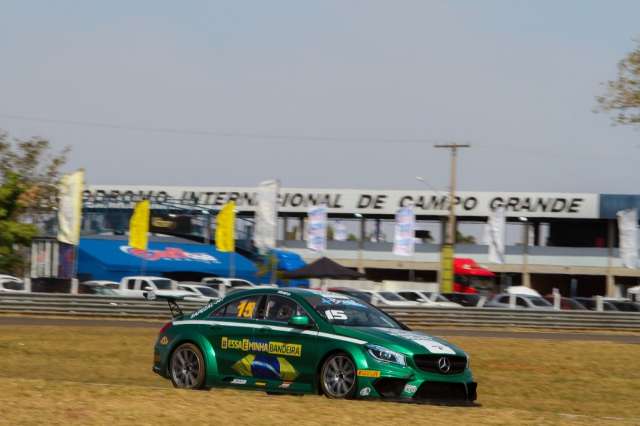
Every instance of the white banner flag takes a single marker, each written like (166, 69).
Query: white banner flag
(340, 231)
(628, 229)
(495, 235)
(317, 228)
(70, 207)
(266, 215)
(404, 233)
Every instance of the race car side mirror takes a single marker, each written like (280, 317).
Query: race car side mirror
(301, 321)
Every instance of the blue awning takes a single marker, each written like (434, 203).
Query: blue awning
(112, 259)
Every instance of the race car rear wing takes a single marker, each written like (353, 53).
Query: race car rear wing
(172, 301)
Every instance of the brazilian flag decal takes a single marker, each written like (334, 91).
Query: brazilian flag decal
(266, 367)
(287, 372)
(243, 367)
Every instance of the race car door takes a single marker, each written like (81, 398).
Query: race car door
(231, 335)
(289, 357)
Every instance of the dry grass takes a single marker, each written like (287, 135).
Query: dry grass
(92, 375)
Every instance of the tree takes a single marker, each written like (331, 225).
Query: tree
(330, 233)
(464, 239)
(623, 94)
(29, 174)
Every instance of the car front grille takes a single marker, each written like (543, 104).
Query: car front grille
(433, 363)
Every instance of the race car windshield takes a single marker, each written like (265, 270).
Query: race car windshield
(343, 310)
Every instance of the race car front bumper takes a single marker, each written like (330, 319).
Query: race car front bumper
(422, 391)
(409, 383)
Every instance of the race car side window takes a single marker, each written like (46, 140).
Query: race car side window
(281, 309)
(245, 308)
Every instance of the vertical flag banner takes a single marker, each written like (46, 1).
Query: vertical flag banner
(266, 215)
(405, 229)
(495, 235)
(70, 207)
(446, 269)
(225, 228)
(139, 226)
(317, 228)
(628, 229)
(340, 231)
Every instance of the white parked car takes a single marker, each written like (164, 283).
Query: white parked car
(136, 286)
(389, 298)
(227, 282)
(429, 300)
(522, 301)
(522, 290)
(198, 291)
(101, 287)
(11, 284)
(102, 283)
(227, 285)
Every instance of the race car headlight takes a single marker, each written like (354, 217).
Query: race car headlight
(386, 355)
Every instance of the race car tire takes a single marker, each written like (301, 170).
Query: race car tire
(338, 376)
(187, 368)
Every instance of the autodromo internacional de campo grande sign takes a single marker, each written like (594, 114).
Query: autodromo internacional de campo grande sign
(363, 201)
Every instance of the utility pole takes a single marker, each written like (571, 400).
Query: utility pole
(447, 254)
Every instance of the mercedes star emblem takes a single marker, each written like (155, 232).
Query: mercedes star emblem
(444, 364)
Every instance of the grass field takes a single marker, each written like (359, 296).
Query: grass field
(94, 375)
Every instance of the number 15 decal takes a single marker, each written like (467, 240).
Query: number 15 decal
(335, 314)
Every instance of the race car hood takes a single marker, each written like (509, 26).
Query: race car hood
(403, 341)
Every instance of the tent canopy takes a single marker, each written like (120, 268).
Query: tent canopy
(113, 259)
(324, 268)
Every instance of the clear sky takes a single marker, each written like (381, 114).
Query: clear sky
(349, 83)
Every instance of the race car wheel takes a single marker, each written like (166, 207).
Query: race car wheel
(187, 367)
(338, 376)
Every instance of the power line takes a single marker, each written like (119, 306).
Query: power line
(217, 133)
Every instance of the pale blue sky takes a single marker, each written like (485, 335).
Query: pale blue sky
(517, 79)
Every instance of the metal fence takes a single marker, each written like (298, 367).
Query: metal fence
(90, 306)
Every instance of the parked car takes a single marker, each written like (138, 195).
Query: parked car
(358, 294)
(11, 284)
(430, 300)
(466, 299)
(223, 285)
(102, 283)
(624, 305)
(590, 303)
(567, 303)
(199, 292)
(523, 290)
(9, 277)
(100, 287)
(523, 301)
(135, 286)
(389, 298)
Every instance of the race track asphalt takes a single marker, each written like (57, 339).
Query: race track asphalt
(7, 321)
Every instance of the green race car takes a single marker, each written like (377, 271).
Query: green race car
(301, 341)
